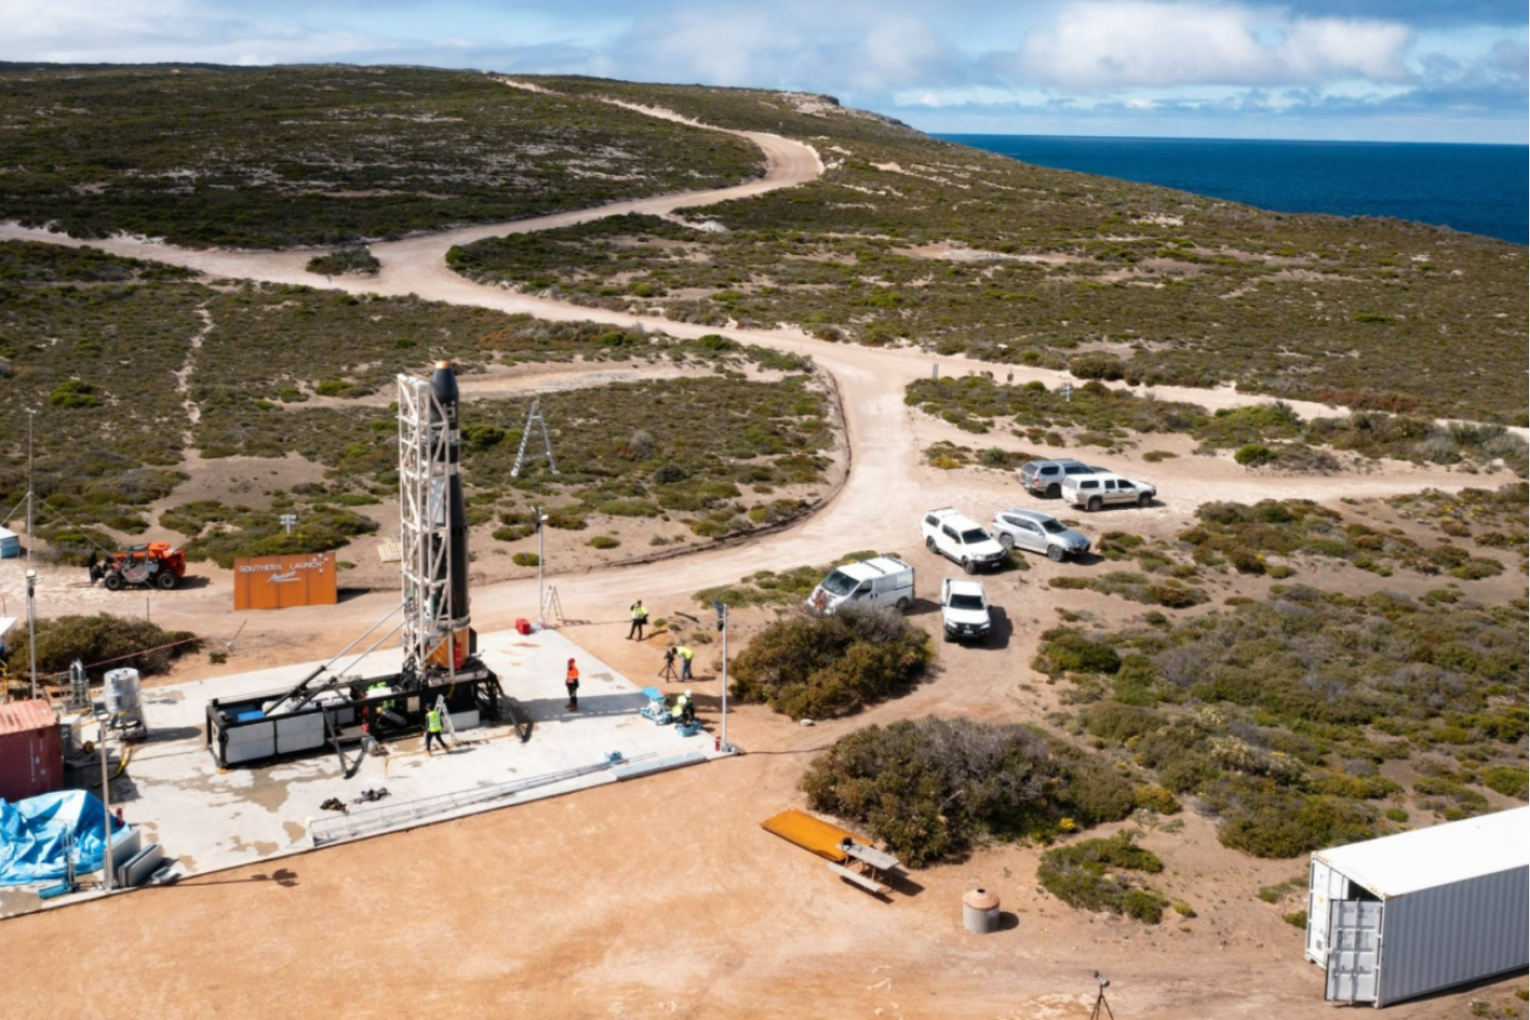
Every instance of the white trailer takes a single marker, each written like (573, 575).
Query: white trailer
(1405, 915)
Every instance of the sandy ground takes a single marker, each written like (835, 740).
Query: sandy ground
(663, 897)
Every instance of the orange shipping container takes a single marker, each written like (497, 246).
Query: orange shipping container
(279, 582)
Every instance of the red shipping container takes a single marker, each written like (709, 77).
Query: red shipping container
(31, 755)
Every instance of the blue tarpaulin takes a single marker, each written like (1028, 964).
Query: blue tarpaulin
(35, 834)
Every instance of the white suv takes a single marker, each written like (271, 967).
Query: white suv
(961, 539)
(1094, 491)
(964, 610)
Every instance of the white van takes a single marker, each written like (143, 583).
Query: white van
(882, 581)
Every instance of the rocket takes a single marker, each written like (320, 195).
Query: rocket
(450, 513)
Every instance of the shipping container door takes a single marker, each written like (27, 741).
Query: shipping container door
(1327, 885)
(1354, 932)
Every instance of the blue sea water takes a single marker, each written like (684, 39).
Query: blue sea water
(1479, 189)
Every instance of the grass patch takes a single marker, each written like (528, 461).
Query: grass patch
(1105, 874)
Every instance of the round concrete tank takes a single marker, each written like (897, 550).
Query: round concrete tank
(980, 912)
(122, 692)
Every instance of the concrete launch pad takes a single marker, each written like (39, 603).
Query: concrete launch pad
(208, 819)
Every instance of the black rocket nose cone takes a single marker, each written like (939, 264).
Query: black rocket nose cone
(443, 382)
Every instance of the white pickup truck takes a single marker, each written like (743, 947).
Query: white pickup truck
(1105, 489)
(964, 610)
(962, 540)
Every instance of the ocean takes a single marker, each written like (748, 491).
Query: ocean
(1479, 189)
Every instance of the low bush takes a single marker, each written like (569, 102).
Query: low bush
(1508, 780)
(1158, 799)
(525, 559)
(1263, 819)
(931, 788)
(1093, 875)
(135, 644)
(825, 666)
(1069, 651)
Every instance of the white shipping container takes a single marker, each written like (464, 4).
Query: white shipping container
(1405, 915)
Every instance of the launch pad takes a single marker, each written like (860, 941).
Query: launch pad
(209, 818)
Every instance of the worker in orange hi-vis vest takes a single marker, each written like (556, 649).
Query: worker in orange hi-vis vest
(572, 683)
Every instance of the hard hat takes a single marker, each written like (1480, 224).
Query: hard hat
(571, 662)
(687, 693)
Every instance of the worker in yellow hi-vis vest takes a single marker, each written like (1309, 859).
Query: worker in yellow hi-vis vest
(686, 655)
(433, 733)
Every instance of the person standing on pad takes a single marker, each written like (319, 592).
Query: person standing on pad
(571, 681)
(686, 655)
(433, 733)
(639, 620)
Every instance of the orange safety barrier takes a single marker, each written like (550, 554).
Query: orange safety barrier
(813, 834)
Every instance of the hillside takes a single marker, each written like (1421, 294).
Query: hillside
(910, 240)
(320, 155)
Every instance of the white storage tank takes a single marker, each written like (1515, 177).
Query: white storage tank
(121, 693)
(1405, 915)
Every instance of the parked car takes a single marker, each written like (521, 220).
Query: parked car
(1034, 531)
(1105, 489)
(1045, 477)
(964, 610)
(962, 540)
(881, 581)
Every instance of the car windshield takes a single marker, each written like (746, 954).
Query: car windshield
(1053, 526)
(839, 583)
(972, 536)
(966, 602)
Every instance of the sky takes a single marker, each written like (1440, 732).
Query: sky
(1364, 70)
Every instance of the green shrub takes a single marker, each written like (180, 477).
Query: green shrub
(1159, 799)
(1296, 919)
(1069, 651)
(1254, 455)
(1118, 723)
(930, 788)
(1511, 781)
(99, 639)
(1264, 820)
(1092, 875)
(604, 542)
(824, 666)
(73, 394)
(525, 559)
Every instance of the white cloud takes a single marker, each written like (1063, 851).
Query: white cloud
(1113, 44)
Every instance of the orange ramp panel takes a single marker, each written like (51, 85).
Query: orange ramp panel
(813, 834)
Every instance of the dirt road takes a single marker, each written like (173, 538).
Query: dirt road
(663, 897)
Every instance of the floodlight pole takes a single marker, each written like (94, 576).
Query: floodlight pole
(106, 814)
(31, 539)
(722, 625)
(541, 596)
(32, 621)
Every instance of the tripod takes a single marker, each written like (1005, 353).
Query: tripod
(1099, 1000)
(668, 672)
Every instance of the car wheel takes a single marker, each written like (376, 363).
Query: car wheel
(1007, 541)
(165, 580)
(929, 544)
(969, 566)
(1054, 490)
(1055, 553)
(903, 605)
(1144, 500)
(113, 582)
(1093, 504)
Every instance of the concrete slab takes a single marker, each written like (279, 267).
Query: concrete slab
(208, 819)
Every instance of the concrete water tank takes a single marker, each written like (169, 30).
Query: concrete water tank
(980, 912)
(121, 691)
